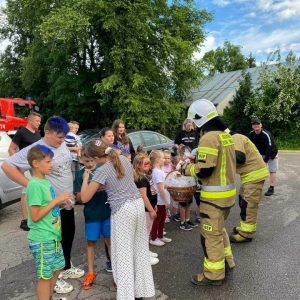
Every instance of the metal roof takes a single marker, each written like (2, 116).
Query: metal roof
(223, 85)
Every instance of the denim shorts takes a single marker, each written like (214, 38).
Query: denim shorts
(94, 230)
(48, 257)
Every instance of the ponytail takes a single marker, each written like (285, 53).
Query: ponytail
(115, 159)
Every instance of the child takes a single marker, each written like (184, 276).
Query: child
(141, 165)
(167, 168)
(74, 145)
(163, 203)
(185, 222)
(140, 149)
(129, 244)
(44, 222)
(97, 217)
(175, 205)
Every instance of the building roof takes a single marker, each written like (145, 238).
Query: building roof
(223, 86)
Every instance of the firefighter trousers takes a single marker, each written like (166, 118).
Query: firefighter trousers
(249, 199)
(215, 241)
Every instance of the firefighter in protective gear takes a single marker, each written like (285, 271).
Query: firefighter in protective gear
(252, 169)
(215, 170)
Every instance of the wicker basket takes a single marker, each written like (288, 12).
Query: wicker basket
(182, 194)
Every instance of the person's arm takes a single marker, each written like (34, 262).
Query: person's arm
(14, 174)
(268, 144)
(161, 189)
(88, 190)
(38, 212)
(12, 148)
(147, 203)
(131, 149)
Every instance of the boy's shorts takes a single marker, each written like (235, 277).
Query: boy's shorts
(184, 204)
(48, 258)
(174, 203)
(94, 230)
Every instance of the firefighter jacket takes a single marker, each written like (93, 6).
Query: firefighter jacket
(250, 164)
(215, 151)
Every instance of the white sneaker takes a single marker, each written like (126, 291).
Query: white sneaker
(62, 287)
(152, 254)
(72, 273)
(166, 240)
(164, 233)
(154, 261)
(59, 298)
(157, 242)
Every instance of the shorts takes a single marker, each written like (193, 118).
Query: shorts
(184, 204)
(48, 258)
(94, 230)
(197, 198)
(273, 165)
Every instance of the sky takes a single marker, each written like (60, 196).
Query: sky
(258, 26)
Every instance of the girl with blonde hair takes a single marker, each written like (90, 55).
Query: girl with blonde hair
(129, 243)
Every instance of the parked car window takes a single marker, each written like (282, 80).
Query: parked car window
(150, 139)
(135, 140)
(163, 139)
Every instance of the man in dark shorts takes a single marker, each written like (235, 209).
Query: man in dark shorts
(24, 137)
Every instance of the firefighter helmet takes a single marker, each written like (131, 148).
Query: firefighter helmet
(201, 111)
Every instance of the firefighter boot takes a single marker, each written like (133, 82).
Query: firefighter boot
(237, 238)
(199, 279)
(236, 229)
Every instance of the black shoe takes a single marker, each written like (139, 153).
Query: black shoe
(269, 192)
(201, 280)
(176, 218)
(24, 225)
(138, 298)
(193, 225)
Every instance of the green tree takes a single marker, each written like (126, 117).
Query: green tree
(120, 59)
(234, 116)
(225, 59)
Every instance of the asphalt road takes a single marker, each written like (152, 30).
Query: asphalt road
(266, 268)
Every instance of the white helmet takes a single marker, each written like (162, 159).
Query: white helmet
(201, 111)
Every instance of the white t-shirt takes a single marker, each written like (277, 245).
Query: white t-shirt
(157, 177)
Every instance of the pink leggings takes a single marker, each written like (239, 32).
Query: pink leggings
(159, 223)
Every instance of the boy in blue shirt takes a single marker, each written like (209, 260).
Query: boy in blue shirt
(97, 217)
(44, 221)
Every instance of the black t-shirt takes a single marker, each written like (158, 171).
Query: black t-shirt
(146, 182)
(25, 137)
(190, 139)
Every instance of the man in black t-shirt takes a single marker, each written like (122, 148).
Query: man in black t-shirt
(24, 137)
(264, 143)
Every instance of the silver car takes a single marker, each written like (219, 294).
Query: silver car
(10, 192)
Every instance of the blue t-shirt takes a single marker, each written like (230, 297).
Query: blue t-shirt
(97, 209)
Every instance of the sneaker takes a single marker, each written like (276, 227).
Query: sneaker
(164, 233)
(108, 267)
(24, 225)
(167, 220)
(62, 287)
(197, 219)
(89, 280)
(193, 225)
(269, 192)
(166, 240)
(72, 273)
(176, 218)
(185, 226)
(157, 242)
(154, 261)
(59, 298)
(152, 254)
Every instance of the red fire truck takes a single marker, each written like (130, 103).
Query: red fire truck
(14, 112)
